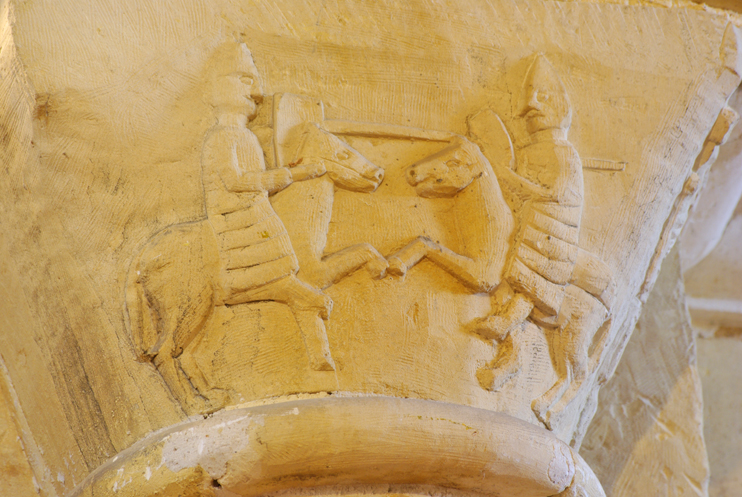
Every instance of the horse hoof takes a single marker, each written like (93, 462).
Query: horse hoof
(377, 268)
(541, 410)
(397, 267)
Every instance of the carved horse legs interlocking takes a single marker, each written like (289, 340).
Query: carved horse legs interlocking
(310, 206)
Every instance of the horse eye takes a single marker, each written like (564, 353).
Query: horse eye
(453, 163)
(343, 155)
(247, 80)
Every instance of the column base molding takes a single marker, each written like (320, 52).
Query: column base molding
(347, 445)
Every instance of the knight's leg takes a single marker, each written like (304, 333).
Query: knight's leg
(499, 326)
(288, 290)
(310, 307)
(315, 340)
(302, 297)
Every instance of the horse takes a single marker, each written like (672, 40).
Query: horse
(486, 225)
(301, 136)
(172, 284)
(463, 171)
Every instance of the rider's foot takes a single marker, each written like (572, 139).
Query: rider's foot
(316, 301)
(491, 327)
(325, 307)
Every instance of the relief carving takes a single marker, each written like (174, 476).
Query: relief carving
(242, 252)
(557, 285)
(265, 234)
(525, 255)
(548, 278)
(386, 232)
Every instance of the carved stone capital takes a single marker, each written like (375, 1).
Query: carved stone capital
(365, 247)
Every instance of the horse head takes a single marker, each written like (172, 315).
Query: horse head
(347, 168)
(446, 173)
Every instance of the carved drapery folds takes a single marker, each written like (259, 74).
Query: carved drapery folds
(344, 259)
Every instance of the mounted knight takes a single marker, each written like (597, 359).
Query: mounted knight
(557, 285)
(242, 252)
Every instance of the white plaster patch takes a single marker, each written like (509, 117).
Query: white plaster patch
(562, 466)
(210, 445)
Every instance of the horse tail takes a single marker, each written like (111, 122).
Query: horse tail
(170, 290)
(595, 358)
(136, 316)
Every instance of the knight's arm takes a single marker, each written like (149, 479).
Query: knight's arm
(521, 186)
(220, 157)
(271, 180)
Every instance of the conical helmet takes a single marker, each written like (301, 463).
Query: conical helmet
(234, 78)
(546, 103)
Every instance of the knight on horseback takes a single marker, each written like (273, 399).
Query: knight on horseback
(257, 259)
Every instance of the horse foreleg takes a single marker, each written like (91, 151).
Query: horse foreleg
(400, 262)
(477, 274)
(334, 267)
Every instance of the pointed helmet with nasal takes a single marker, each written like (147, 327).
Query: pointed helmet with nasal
(236, 86)
(546, 104)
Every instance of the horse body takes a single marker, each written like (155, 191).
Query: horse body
(306, 208)
(485, 222)
(484, 219)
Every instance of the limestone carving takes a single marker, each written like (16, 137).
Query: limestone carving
(548, 278)
(339, 247)
(242, 251)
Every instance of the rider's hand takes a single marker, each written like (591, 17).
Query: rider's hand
(307, 171)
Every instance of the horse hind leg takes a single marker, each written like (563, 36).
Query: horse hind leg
(315, 340)
(587, 316)
(190, 399)
(310, 308)
(542, 406)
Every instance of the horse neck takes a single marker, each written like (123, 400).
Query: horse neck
(472, 206)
